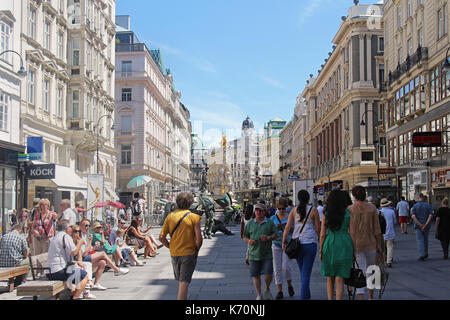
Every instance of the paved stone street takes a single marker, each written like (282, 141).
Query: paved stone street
(221, 274)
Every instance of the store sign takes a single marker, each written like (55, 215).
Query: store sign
(294, 177)
(386, 171)
(41, 171)
(427, 139)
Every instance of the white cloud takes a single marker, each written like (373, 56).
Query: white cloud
(309, 10)
(272, 82)
(199, 63)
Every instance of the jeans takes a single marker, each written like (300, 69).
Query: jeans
(305, 263)
(422, 241)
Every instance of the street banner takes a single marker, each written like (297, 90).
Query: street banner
(35, 147)
(95, 195)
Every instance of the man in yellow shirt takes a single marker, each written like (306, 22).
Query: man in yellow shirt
(185, 241)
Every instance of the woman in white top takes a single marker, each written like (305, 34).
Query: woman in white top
(308, 239)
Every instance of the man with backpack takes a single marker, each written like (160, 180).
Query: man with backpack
(137, 205)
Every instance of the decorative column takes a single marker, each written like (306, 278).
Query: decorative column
(370, 124)
(361, 58)
(369, 58)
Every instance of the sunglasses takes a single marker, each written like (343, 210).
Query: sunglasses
(77, 231)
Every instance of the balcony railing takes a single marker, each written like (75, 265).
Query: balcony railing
(128, 47)
(420, 55)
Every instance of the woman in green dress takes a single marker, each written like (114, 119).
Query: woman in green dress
(99, 236)
(336, 245)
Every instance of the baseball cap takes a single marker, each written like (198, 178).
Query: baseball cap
(260, 206)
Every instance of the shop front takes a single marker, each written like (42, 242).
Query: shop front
(9, 182)
(440, 182)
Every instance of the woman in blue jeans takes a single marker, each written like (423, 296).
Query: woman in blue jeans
(308, 239)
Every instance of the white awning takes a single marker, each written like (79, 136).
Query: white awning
(67, 180)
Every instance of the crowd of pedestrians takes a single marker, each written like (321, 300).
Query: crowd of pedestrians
(347, 231)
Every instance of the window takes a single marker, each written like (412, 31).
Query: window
(381, 44)
(60, 45)
(125, 123)
(126, 66)
(409, 9)
(420, 37)
(46, 95)
(32, 23)
(59, 96)
(47, 35)
(125, 154)
(61, 6)
(5, 40)
(31, 76)
(75, 52)
(399, 61)
(410, 47)
(126, 94)
(87, 106)
(88, 56)
(399, 17)
(445, 31)
(3, 112)
(419, 3)
(440, 24)
(75, 104)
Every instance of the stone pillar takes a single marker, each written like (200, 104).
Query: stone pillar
(361, 58)
(370, 123)
(369, 58)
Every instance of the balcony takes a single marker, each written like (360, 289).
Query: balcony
(420, 55)
(128, 47)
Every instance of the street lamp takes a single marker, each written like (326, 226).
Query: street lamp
(446, 65)
(22, 72)
(376, 142)
(98, 130)
(328, 165)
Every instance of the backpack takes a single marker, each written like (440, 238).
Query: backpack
(136, 207)
(382, 220)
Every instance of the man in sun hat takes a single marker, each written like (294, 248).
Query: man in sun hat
(389, 214)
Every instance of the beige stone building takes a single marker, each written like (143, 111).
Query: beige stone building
(67, 96)
(416, 94)
(153, 132)
(339, 149)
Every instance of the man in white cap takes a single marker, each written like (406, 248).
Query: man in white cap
(389, 214)
(259, 234)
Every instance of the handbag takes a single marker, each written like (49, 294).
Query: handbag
(357, 278)
(293, 247)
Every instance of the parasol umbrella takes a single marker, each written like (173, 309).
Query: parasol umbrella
(102, 204)
(116, 204)
(138, 181)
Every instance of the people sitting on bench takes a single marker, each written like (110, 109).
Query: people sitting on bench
(61, 253)
(99, 260)
(99, 237)
(126, 250)
(112, 235)
(87, 266)
(136, 237)
(14, 251)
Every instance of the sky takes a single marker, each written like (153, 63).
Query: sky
(236, 58)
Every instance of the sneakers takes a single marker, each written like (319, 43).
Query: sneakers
(421, 259)
(279, 295)
(159, 246)
(121, 271)
(89, 296)
(98, 287)
(258, 298)
(267, 294)
(291, 291)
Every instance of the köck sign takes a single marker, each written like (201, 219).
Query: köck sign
(41, 171)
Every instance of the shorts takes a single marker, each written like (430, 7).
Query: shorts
(403, 219)
(63, 275)
(88, 258)
(183, 267)
(260, 267)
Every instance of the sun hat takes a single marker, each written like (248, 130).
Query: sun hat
(96, 225)
(385, 202)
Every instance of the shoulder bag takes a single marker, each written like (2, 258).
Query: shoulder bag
(293, 247)
(178, 224)
(357, 278)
